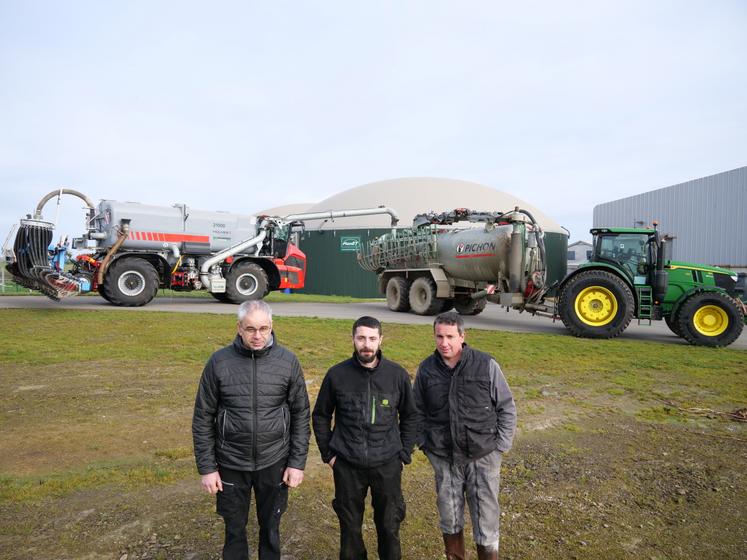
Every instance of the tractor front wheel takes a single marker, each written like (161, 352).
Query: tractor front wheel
(245, 281)
(710, 319)
(596, 304)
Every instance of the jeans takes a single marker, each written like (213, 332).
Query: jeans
(479, 482)
(351, 486)
(233, 505)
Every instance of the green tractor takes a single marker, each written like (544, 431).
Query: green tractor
(630, 275)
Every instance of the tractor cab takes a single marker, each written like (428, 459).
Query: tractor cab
(632, 250)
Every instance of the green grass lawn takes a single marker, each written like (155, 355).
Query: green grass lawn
(96, 453)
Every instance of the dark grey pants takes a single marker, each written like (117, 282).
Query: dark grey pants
(233, 506)
(477, 481)
(351, 486)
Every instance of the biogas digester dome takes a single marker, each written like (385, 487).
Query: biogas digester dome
(331, 245)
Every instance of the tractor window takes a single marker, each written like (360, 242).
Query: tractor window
(627, 249)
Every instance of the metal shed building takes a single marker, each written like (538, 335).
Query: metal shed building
(331, 246)
(707, 217)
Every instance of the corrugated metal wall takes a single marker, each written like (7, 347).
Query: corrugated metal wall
(333, 268)
(707, 216)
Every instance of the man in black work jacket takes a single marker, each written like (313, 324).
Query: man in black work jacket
(374, 433)
(251, 430)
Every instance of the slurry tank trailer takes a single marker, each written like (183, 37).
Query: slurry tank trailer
(464, 259)
(136, 248)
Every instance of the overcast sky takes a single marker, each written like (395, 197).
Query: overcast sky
(247, 105)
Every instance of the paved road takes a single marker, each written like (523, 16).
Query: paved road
(493, 318)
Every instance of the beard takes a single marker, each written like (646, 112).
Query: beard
(365, 358)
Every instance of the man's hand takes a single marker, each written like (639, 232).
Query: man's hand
(212, 483)
(292, 477)
(332, 462)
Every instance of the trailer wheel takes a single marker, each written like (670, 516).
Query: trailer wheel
(130, 282)
(672, 322)
(245, 281)
(423, 300)
(465, 305)
(596, 304)
(710, 319)
(398, 294)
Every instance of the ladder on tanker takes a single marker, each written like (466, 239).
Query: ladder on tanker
(645, 303)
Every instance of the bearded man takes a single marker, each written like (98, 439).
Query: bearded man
(375, 425)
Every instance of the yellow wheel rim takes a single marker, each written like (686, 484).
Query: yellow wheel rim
(596, 306)
(710, 320)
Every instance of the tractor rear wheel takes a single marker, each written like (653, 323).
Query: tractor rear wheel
(710, 319)
(465, 305)
(398, 294)
(423, 300)
(130, 282)
(596, 304)
(245, 281)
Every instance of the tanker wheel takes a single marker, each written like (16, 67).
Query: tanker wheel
(465, 305)
(245, 281)
(423, 300)
(710, 319)
(398, 293)
(596, 304)
(130, 282)
(672, 322)
(221, 297)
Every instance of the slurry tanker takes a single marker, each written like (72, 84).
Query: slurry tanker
(134, 249)
(464, 259)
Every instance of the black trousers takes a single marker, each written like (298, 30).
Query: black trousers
(351, 486)
(233, 505)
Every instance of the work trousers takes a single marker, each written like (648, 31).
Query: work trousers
(351, 486)
(233, 505)
(479, 482)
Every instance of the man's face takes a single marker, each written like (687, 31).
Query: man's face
(367, 342)
(255, 330)
(448, 341)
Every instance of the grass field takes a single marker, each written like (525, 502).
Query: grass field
(622, 450)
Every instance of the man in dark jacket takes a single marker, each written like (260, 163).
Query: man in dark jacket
(470, 420)
(373, 436)
(251, 430)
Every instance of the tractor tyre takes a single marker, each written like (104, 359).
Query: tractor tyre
(130, 282)
(465, 305)
(596, 304)
(221, 297)
(245, 281)
(672, 322)
(423, 300)
(710, 319)
(398, 293)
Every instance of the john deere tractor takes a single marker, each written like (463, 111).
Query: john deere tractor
(630, 275)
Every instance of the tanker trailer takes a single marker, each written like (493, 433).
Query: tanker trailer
(137, 248)
(461, 259)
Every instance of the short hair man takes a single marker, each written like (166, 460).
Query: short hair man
(373, 436)
(469, 422)
(251, 430)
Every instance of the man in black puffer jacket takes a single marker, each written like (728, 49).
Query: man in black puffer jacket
(251, 430)
(373, 436)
